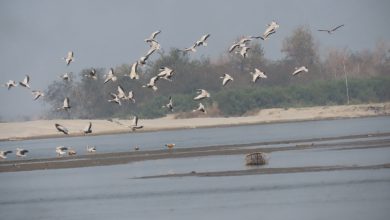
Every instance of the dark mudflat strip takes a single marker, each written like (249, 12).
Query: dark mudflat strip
(262, 171)
(103, 159)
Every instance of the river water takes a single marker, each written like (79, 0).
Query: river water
(44, 148)
(115, 192)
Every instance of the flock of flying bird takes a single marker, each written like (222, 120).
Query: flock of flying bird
(240, 47)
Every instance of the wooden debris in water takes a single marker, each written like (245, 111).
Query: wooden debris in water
(256, 158)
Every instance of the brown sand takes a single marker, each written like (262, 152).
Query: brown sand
(45, 128)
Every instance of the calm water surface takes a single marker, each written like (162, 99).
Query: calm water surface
(114, 192)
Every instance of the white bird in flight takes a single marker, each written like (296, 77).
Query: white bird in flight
(69, 58)
(3, 154)
(233, 47)
(25, 82)
(110, 76)
(190, 49)
(143, 59)
(200, 108)
(226, 78)
(66, 106)
(169, 105)
(244, 51)
(152, 36)
(240, 43)
(133, 72)
(330, 31)
(115, 99)
(10, 84)
(300, 70)
(21, 152)
(202, 40)
(202, 94)
(66, 76)
(257, 75)
(154, 45)
(131, 96)
(152, 83)
(91, 74)
(61, 128)
(166, 73)
(37, 94)
(121, 93)
(271, 29)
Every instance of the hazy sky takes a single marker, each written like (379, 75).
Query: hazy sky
(36, 34)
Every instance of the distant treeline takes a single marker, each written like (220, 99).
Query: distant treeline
(367, 73)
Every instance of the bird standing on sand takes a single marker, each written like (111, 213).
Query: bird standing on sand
(110, 76)
(3, 154)
(10, 84)
(71, 152)
(300, 70)
(25, 82)
(88, 128)
(202, 94)
(330, 31)
(257, 75)
(170, 146)
(134, 126)
(61, 150)
(61, 128)
(69, 58)
(21, 152)
(226, 78)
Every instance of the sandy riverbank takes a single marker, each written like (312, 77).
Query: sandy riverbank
(45, 128)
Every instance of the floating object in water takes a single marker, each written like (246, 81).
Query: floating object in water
(256, 158)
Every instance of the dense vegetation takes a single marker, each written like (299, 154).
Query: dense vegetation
(367, 73)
